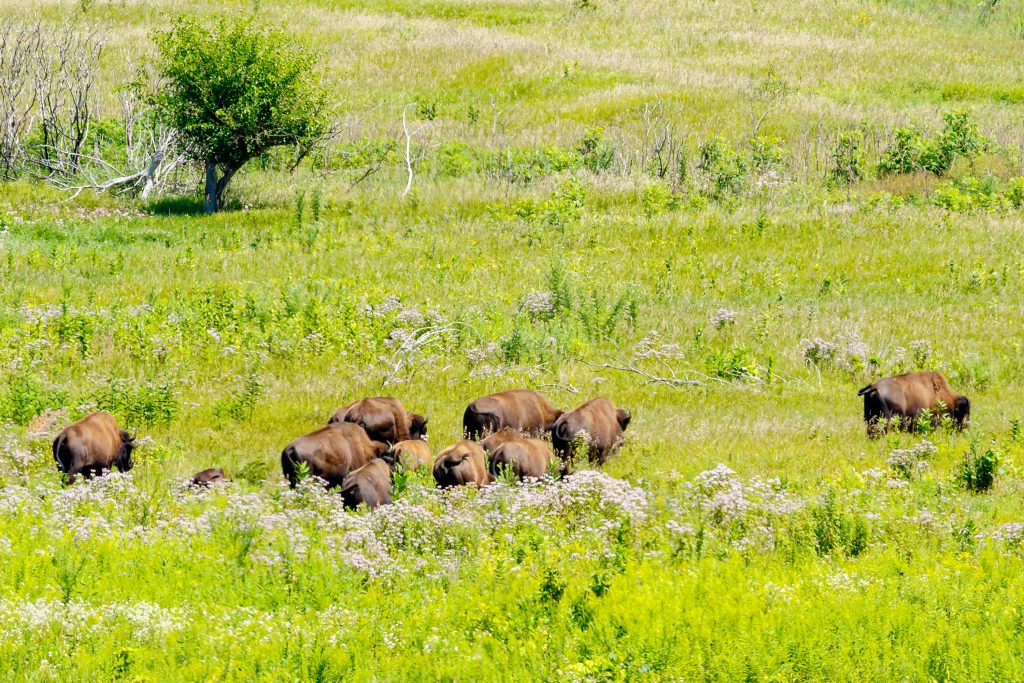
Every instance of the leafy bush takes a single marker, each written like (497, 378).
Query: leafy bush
(596, 151)
(972, 194)
(847, 159)
(722, 170)
(977, 471)
(137, 404)
(904, 154)
(657, 198)
(26, 397)
(836, 530)
(911, 151)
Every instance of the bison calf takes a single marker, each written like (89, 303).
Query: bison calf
(598, 423)
(91, 445)
(461, 465)
(214, 475)
(903, 399)
(521, 409)
(412, 454)
(330, 453)
(384, 418)
(369, 485)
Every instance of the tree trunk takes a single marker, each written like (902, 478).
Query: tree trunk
(212, 194)
(229, 173)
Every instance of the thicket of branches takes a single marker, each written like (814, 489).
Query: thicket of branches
(51, 125)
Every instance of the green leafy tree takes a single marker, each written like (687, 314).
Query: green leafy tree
(234, 89)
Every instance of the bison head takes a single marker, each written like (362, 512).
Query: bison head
(418, 427)
(961, 411)
(623, 417)
(123, 461)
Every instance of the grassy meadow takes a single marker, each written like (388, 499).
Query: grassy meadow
(609, 197)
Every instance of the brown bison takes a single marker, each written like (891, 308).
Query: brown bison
(491, 443)
(370, 484)
(214, 475)
(330, 453)
(91, 445)
(521, 409)
(904, 399)
(462, 464)
(412, 453)
(525, 457)
(384, 418)
(598, 422)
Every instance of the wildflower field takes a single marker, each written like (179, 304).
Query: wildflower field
(727, 217)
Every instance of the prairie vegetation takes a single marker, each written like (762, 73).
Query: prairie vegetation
(727, 217)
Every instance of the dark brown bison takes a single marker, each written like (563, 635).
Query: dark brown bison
(370, 484)
(462, 464)
(412, 454)
(598, 423)
(384, 418)
(214, 475)
(525, 457)
(904, 398)
(521, 409)
(330, 453)
(91, 445)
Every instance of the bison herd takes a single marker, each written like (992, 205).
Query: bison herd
(518, 431)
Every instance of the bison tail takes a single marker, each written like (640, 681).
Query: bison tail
(290, 465)
(59, 449)
(868, 388)
(562, 431)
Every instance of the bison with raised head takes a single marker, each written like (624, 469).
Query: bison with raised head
(92, 445)
(369, 485)
(521, 409)
(330, 453)
(597, 423)
(903, 399)
(384, 418)
(462, 464)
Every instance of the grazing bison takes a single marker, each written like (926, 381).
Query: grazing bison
(370, 484)
(461, 465)
(412, 454)
(330, 453)
(91, 445)
(384, 419)
(597, 421)
(904, 398)
(491, 443)
(214, 475)
(521, 409)
(525, 457)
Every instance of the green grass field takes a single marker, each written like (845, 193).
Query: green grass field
(747, 530)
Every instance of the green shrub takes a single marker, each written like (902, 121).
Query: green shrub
(657, 198)
(903, 155)
(977, 471)
(596, 151)
(847, 159)
(836, 530)
(722, 170)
